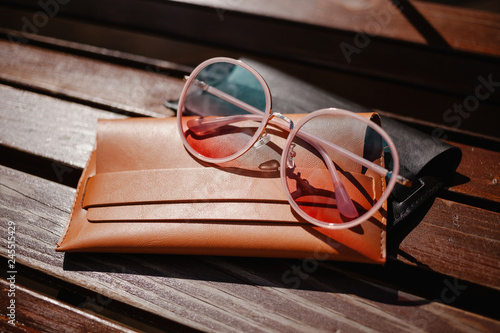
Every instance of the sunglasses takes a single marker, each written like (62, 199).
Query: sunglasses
(337, 167)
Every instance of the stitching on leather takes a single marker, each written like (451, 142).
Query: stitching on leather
(382, 231)
(410, 194)
(422, 198)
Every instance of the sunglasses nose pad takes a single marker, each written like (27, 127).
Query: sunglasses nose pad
(263, 140)
(290, 160)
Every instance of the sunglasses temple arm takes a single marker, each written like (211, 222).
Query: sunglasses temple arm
(344, 203)
(233, 100)
(366, 163)
(203, 126)
(311, 138)
(346, 153)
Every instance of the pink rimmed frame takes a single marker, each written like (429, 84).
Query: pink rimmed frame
(258, 133)
(267, 116)
(380, 201)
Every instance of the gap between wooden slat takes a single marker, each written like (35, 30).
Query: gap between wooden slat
(44, 126)
(385, 17)
(378, 63)
(85, 305)
(108, 55)
(87, 81)
(64, 130)
(431, 108)
(30, 305)
(54, 267)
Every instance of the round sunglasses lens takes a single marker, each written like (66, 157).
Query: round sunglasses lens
(326, 173)
(223, 108)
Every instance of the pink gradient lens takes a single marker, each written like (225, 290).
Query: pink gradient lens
(326, 186)
(223, 109)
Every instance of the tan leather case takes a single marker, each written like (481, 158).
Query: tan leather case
(142, 192)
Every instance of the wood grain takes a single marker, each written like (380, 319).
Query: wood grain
(438, 87)
(38, 313)
(67, 125)
(425, 67)
(50, 79)
(111, 86)
(214, 294)
(53, 92)
(460, 28)
(458, 240)
(45, 126)
(479, 174)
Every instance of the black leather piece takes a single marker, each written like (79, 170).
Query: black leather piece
(426, 161)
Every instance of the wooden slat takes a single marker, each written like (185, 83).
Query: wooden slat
(437, 84)
(388, 95)
(418, 22)
(214, 294)
(463, 29)
(459, 28)
(48, 127)
(456, 239)
(36, 312)
(94, 82)
(479, 136)
(80, 121)
(318, 45)
(479, 174)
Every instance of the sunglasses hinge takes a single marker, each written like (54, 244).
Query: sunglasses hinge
(282, 117)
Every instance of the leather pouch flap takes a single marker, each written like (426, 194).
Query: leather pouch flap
(142, 192)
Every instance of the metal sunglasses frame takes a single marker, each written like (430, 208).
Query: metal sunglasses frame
(276, 119)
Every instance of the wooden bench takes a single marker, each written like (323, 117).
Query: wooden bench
(107, 59)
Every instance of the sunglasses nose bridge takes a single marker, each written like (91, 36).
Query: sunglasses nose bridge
(282, 117)
(264, 137)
